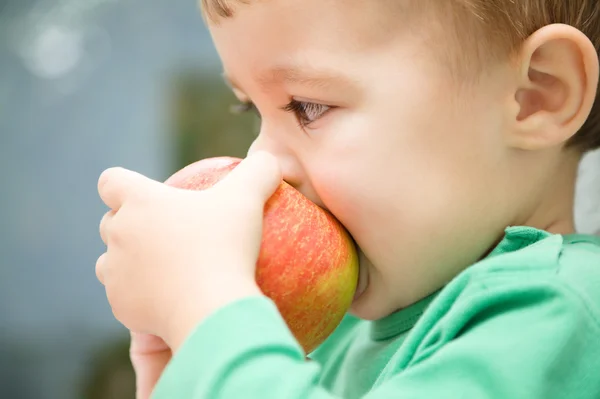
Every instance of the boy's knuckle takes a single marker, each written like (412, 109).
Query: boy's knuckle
(116, 233)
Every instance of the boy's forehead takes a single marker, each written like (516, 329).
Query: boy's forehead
(377, 15)
(227, 8)
(263, 29)
(311, 42)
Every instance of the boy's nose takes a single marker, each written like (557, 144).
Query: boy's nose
(292, 170)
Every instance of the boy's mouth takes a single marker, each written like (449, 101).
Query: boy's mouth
(363, 277)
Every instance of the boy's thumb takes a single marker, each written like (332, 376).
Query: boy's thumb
(116, 185)
(258, 174)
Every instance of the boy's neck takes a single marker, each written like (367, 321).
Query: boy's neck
(555, 212)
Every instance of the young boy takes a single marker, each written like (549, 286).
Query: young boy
(446, 136)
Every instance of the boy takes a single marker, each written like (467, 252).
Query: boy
(446, 136)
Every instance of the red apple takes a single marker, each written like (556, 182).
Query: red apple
(308, 263)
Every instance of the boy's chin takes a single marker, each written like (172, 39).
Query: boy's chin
(365, 308)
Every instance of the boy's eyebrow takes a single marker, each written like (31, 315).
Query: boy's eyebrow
(307, 76)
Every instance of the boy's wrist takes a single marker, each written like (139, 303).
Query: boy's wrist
(189, 316)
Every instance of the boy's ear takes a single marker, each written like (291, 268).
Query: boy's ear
(556, 87)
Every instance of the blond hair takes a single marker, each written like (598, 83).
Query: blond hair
(497, 28)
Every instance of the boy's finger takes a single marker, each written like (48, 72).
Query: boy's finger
(115, 185)
(104, 223)
(146, 343)
(259, 173)
(149, 356)
(100, 266)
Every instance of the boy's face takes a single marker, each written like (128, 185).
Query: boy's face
(368, 123)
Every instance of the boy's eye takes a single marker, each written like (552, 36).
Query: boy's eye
(244, 107)
(305, 112)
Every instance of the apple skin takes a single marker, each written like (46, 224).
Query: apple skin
(308, 264)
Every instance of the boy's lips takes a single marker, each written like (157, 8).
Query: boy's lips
(363, 277)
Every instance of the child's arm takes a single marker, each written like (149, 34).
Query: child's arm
(149, 356)
(518, 339)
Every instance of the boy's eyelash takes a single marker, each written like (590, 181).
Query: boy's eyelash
(305, 112)
(243, 107)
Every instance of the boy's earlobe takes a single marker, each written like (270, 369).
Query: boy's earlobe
(556, 87)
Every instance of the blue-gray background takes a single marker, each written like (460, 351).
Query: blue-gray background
(84, 85)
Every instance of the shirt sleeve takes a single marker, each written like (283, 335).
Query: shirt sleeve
(514, 340)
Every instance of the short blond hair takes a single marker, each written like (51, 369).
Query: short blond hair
(500, 27)
(506, 24)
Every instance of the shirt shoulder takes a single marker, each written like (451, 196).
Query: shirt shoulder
(568, 263)
(578, 268)
(528, 307)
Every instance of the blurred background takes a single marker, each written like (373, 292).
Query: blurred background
(84, 85)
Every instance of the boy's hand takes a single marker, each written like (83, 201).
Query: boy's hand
(174, 256)
(149, 356)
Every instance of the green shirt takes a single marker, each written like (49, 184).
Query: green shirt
(522, 323)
